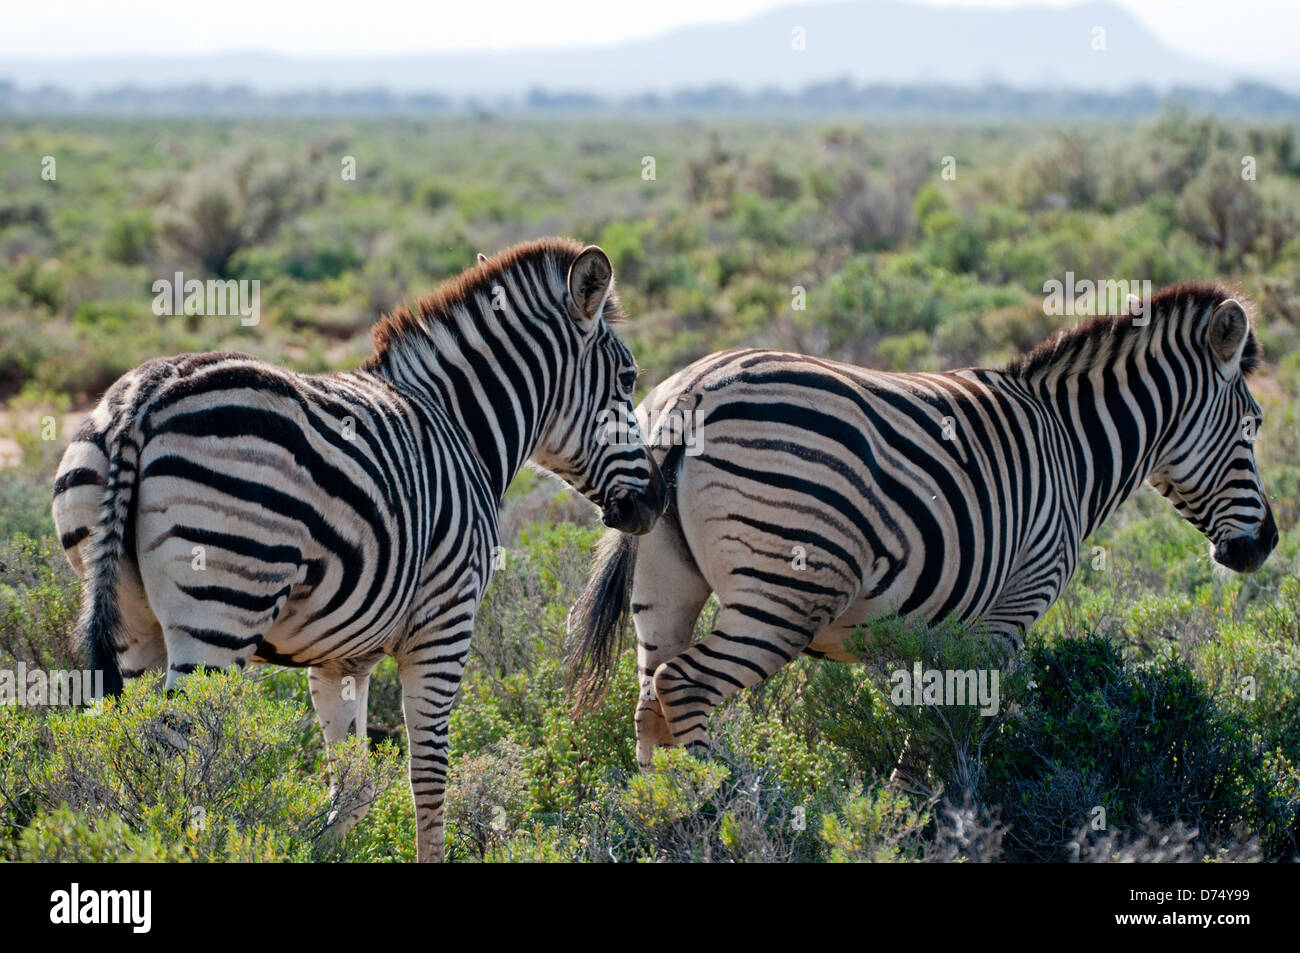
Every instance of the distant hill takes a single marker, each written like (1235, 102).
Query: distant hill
(878, 101)
(864, 41)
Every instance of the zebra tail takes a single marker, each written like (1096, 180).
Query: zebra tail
(598, 619)
(101, 618)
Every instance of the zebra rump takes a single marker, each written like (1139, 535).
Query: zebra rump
(100, 619)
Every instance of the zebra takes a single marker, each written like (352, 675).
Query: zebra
(813, 496)
(223, 510)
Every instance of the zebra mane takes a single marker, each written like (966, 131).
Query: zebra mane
(444, 310)
(1082, 346)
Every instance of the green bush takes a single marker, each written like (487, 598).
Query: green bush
(39, 601)
(1143, 742)
(131, 238)
(239, 200)
(213, 773)
(877, 827)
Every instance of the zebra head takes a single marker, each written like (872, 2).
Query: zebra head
(1209, 471)
(594, 443)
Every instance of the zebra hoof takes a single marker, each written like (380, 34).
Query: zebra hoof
(344, 816)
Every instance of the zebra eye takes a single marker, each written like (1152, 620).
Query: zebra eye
(627, 381)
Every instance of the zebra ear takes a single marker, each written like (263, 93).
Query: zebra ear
(591, 277)
(1228, 327)
(482, 258)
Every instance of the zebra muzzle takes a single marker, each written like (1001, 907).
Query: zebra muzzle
(1247, 553)
(630, 513)
(636, 512)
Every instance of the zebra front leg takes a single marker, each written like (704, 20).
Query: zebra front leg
(740, 651)
(339, 691)
(430, 674)
(911, 771)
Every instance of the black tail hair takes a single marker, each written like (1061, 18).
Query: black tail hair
(100, 617)
(598, 618)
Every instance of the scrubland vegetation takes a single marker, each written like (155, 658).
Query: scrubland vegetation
(1158, 690)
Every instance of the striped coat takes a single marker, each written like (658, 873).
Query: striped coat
(813, 496)
(224, 510)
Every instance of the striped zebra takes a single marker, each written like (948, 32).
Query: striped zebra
(813, 496)
(224, 510)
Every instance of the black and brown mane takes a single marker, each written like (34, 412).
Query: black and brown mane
(440, 305)
(1095, 333)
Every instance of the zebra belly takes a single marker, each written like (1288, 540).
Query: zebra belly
(796, 554)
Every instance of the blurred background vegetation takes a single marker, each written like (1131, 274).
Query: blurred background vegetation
(1158, 689)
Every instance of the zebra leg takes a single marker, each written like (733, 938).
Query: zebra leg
(212, 626)
(211, 616)
(739, 652)
(430, 673)
(191, 646)
(667, 595)
(140, 636)
(339, 690)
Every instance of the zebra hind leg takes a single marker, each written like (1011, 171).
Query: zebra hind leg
(210, 642)
(740, 651)
(667, 595)
(217, 632)
(140, 636)
(210, 615)
(339, 691)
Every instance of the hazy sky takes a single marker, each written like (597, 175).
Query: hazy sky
(1263, 33)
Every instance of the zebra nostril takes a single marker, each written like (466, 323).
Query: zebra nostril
(615, 511)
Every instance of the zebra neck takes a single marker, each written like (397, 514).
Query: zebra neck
(483, 388)
(1112, 433)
